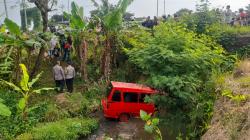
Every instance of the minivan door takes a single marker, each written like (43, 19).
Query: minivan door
(131, 103)
(114, 104)
(147, 107)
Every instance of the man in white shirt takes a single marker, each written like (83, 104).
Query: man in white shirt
(69, 75)
(228, 15)
(53, 43)
(59, 76)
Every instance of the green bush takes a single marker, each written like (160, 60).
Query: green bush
(53, 113)
(67, 129)
(15, 125)
(80, 104)
(228, 36)
(180, 63)
(244, 52)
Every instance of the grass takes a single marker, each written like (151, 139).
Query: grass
(66, 129)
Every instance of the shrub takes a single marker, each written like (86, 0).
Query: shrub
(53, 113)
(65, 129)
(181, 63)
(230, 37)
(15, 125)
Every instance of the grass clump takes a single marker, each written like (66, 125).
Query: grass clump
(66, 129)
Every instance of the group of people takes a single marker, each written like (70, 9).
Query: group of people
(62, 76)
(148, 23)
(60, 49)
(236, 18)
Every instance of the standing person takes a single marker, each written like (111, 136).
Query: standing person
(148, 23)
(62, 42)
(53, 43)
(67, 48)
(155, 22)
(70, 75)
(164, 18)
(228, 15)
(59, 76)
(57, 51)
(243, 17)
(66, 56)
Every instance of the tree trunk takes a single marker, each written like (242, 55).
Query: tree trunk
(85, 59)
(95, 50)
(17, 62)
(107, 60)
(45, 20)
(80, 52)
(29, 58)
(38, 62)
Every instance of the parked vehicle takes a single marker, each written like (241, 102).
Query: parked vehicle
(125, 100)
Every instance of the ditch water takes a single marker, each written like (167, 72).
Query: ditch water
(131, 130)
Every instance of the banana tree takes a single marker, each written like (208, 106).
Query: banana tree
(25, 88)
(80, 35)
(112, 24)
(22, 41)
(13, 39)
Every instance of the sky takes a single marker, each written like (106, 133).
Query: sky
(141, 8)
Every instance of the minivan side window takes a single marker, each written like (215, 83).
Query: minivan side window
(142, 97)
(116, 96)
(130, 97)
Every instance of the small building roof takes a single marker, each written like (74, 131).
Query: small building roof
(132, 86)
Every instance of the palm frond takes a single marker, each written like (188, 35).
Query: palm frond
(123, 5)
(5, 66)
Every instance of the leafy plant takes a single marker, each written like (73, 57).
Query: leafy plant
(151, 125)
(4, 110)
(26, 89)
(65, 129)
(181, 64)
(237, 98)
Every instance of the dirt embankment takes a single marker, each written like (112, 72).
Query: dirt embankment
(231, 120)
(238, 42)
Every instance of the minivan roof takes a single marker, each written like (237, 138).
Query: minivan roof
(132, 86)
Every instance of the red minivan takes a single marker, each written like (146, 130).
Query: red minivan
(125, 100)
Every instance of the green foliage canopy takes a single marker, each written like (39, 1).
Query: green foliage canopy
(180, 63)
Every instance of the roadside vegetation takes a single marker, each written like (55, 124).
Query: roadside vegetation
(188, 61)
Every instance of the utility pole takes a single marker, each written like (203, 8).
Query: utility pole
(68, 6)
(157, 8)
(164, 7)
(25, 14)
(6, 10)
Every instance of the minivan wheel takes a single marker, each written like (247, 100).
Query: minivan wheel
(124, 117)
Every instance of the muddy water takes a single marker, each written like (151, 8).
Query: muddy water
(131, 130)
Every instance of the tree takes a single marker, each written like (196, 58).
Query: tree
(58, 19)
(111, 20)
(45, 6)
(183, 12)
(34, 15)
(80, 33)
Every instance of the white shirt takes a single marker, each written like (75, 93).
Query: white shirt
(70, 72)
(58, 73)
(53, 42)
